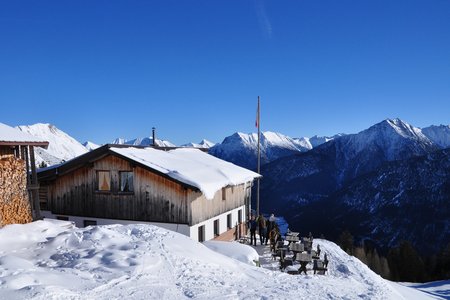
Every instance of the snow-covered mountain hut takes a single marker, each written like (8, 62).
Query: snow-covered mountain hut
(184, 190)
(18, 176)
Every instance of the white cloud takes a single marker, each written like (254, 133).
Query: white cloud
(264, 22)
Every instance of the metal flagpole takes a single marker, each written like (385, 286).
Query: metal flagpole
(259, 159)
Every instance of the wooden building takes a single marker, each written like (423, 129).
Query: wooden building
(18, 177)
(185, 190)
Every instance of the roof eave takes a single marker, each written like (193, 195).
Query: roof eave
(24, 143)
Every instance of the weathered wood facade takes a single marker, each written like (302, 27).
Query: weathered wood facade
(203, 209)
(6, 150)
(73, 190)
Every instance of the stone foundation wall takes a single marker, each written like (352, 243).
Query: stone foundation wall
(14, 204)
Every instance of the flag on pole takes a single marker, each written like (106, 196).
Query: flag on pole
(257, 116)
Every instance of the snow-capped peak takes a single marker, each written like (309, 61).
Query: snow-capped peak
(404, 129)
(90, 145)
(241, 148)
(268, 139)
(146, 141)
(61, 145)
(207, 144)
(278, 139)
(204, 144)
(303, 142)
(440, 135)
(119, 141)
(394, 137)
(319, 140)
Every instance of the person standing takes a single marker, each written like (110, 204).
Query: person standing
(270, 226)
(252, 226)
(262, 228)
(274, 236)
(325, 261)
(272, 220)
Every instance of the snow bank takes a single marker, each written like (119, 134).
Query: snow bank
(55, 260)
(235, 250)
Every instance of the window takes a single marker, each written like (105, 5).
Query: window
(87, 223)
(62, 218)
(224, 194)
(240, 216)
(126, 181)
(229, 221)
(216, 227)
(201, 233)
(104, 181)
(43, 196)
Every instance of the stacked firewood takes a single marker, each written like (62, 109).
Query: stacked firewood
(14, 204)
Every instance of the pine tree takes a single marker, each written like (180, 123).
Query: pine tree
(375, 263)
(346, 242)
(443, 263)
(385, 272)
(360, 253)
(406, 264)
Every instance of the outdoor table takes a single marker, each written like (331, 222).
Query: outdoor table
(302, 267)
(292, 233)
(303, 259)
(296, 248)
(291, 238)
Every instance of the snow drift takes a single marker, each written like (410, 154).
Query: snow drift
(55, 260)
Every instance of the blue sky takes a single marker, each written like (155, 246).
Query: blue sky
(193, 69)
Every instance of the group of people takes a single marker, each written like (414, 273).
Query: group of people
(267, 229)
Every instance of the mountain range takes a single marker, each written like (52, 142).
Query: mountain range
(63, 147)
(204, 144)
(375, 183)
(241, 148)
(238, 148)
(146, 141)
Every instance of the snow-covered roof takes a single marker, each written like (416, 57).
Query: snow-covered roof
(12, 136)
(191, 166)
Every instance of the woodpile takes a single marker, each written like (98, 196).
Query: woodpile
(14, 204)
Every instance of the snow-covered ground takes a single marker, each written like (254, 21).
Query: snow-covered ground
(54, 260)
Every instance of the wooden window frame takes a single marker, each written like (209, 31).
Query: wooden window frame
(97, 174)
(131, 192)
